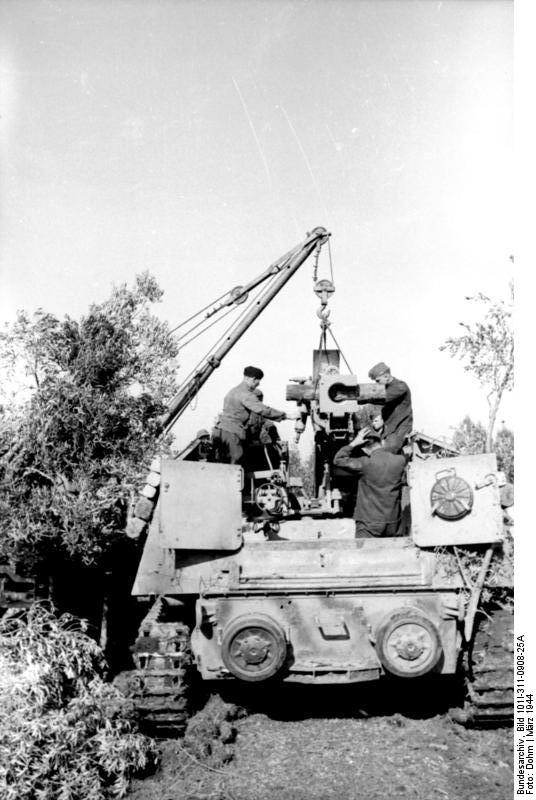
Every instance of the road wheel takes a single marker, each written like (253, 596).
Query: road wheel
(408, 643)
(253, 647)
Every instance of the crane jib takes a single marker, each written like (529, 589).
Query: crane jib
(286, 268)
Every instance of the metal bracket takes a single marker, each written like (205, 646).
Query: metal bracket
(489, 480)
(443, 473)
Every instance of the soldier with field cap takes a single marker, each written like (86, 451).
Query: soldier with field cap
(397, 413)
(238, 405)
(381, 474)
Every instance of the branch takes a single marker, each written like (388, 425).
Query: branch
(32, 470)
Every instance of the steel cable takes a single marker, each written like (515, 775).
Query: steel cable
(193, 316)
(340, 351)
(235, 322)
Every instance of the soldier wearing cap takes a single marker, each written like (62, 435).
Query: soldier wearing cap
(238, 405)
(199, 449)
(397, 413)
(377, 510)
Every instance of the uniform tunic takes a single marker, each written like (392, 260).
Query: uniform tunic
(397, 415)
(238, 405)
(380, 484)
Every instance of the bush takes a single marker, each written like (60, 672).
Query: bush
(65, 734)
(82, 428)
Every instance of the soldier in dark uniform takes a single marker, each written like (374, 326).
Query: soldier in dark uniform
(397, 413)
(238, 405)
(263, 443)
(377, 510)
(199, 449)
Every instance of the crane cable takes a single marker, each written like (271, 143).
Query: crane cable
(265, 288)
(330, 262)
(235, 322)
(193, 316)
(325, 325)
(340, 351)
(181, 346)
(274, 269)
(322, 348)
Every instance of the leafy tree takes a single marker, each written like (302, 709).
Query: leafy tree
(487, 348)
(504, 449)
(75, 438)
(470, 438)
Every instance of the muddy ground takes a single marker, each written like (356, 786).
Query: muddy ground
(342, 743)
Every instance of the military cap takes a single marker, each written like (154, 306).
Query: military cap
(253, 372)
(201, 433)
(372, 436)
(378, 369)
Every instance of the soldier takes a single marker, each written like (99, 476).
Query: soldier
(377, 510)
(255, 422)
(397, 413)
(238, 405)
(199, 449)
(263, 442)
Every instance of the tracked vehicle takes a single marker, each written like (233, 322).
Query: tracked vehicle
(245, 582)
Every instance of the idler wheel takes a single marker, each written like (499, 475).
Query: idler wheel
(408, 644)
(253, 647)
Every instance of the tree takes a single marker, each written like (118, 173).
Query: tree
(75, 439)
(504, 449)
(487, 348)
(470, 438)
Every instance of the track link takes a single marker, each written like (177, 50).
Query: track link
(490, 688)
(163, 660)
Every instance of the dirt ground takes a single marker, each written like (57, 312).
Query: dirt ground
(339, 744)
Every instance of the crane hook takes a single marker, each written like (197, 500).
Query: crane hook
(324, 289)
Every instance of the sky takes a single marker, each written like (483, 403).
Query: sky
(202, 140)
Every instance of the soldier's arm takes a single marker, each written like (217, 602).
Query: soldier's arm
(394, 390)
(344, 459)
(253, 404)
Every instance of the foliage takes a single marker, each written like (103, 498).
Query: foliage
(504, 450)
(300, 468)
(75, 439)
(487, 348)
(65, 734)
(466, 562)
(470, 438)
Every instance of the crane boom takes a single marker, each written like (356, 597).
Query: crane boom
(283, 269)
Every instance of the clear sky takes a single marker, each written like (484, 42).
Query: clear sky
(201, 140)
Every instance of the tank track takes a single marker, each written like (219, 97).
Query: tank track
(490, 684)
(163, 660)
